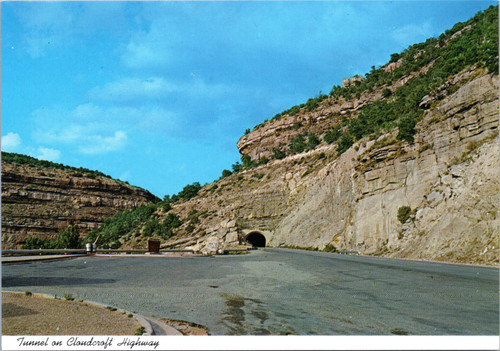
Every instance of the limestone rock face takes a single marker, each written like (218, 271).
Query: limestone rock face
(213, 245)
(41, 201)
(448, 177)
(276, 134)
(351, 81)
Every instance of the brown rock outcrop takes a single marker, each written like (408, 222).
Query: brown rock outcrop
(448, 176)
(278, 133)
(42, 201)
(351, 81)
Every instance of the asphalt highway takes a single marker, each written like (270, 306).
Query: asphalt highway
(280, 292)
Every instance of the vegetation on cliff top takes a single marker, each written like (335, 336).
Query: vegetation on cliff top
(10, 157)
(474, 42)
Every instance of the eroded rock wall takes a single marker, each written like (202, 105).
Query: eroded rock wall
(41, 201)
(448, 177)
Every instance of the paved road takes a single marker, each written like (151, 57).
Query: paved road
(279, 291)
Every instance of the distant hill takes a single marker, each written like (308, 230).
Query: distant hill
(41, 198)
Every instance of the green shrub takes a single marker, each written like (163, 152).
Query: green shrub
(311, 105)
(292, 111)
(150, 227)
(33, 242)
(140, 331)
(278, 154)
(236, 167)
(193, 216)
(165, 205)
(297, 144)
(330, 248)
(125, 223)
(166, 229)
(189, 191)
(404, 213)
(67, 239)
(332, 135)
(247, 162)
(263, 160)
(344, 144)
(312, 141)
(407, 128)
(226, 173)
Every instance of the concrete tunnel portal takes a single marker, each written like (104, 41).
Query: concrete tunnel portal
(256, 239)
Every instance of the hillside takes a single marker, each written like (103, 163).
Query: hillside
(40, 198)
(387, 97)
(403, 162)
(447, 179)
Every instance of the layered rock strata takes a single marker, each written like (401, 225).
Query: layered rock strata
(448, 177)
(42, 201)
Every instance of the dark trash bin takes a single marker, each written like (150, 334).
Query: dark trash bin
(154, 246)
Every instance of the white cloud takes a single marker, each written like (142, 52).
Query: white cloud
(45, 153)
(11, 142)
(412, 33)
(133, 89)
(148, 49)
(156, 90)
(97, 144)
(86, 113)
(91, 128)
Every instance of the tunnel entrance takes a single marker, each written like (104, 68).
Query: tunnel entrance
(256, 239)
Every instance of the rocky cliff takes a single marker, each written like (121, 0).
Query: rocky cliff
(41, 201)
(448, 177)
(407, 166)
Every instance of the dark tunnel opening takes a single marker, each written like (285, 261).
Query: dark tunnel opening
(256, 239)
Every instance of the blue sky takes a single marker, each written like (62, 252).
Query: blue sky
(158, 93)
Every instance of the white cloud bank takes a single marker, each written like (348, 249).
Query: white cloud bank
(11, 142)
(133, 89)
(98, 144)
(48, 154)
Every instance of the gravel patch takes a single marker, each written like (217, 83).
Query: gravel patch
(36, 315)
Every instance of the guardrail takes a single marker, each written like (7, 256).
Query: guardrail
(176, 250)
(33, 252)
(345, 252)
(36, 252)
(131, 251)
